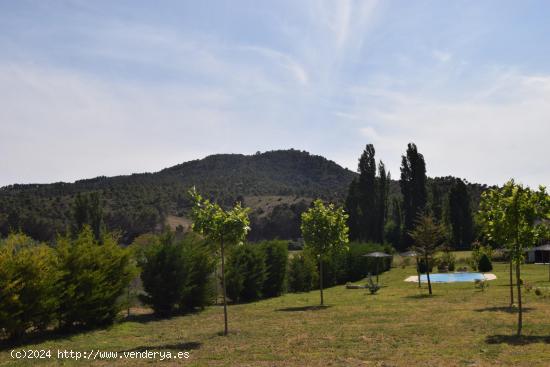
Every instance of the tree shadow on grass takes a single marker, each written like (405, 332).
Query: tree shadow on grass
(46, 336)
(421, 296)
(517, 340)
(180, 346)
(506, 309)
(303, 308)
(151, 317)
(144, 318)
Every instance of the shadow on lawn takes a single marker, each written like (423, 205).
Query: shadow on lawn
(180, 346)
(515, 340)
(45, 336)
(421, 296)
(303, 308)
(506, 309)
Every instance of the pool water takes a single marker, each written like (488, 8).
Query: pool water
(452, 277)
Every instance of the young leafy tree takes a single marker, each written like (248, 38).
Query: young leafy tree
(223, 227)
(324, 230)
(491, 217)
(427, 236)
(513, 214)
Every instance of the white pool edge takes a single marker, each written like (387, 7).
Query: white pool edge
(414, 278)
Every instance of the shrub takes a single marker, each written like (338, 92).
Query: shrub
(29, 287)
(477, 252)
(276, 259)
(481, 284)
(484, 265)
(447, 260)
(176, 275)
(94, 276)
(422, 268)
(245, 273)
(351, 265)
(201, 285)
(302, 273)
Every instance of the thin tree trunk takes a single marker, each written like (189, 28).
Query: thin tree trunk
(418, 271)
(321, 279)
(520, 311)
(128, 301)
(428, 274)
(224, 291)
(511, 283)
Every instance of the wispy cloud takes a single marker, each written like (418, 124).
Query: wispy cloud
(488, 139)
(102, 88)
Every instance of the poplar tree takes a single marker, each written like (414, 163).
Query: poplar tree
(460, 214)
(413, 188)
(367, 188)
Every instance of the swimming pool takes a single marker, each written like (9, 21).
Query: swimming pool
(452, 277)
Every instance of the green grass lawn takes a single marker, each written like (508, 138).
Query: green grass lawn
(458, 326)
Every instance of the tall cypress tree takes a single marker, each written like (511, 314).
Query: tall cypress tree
(367, 200)
(436, 206)
(367, 189)
(88, 210)
(352, 208)
(413, 188)
(381, 199)
(460, 214)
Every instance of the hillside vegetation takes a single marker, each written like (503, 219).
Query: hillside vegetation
(277, 185)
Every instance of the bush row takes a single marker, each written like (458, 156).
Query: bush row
(75, 283)
(345, 266)
(176, 273)
(257, 271)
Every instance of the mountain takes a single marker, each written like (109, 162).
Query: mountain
(277, 185)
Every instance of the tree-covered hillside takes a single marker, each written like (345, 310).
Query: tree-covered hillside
(140, 203)
(277, 185)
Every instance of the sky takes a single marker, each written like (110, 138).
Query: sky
(90, 88)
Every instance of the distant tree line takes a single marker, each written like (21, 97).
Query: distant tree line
(377, 214)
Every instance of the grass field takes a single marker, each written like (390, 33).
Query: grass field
(458, 326)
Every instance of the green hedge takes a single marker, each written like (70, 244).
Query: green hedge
(29, 285)
(76, 283)
(176, 274)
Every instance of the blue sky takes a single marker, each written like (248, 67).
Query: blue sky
(92, 88)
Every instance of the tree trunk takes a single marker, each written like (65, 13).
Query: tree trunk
(418, 271)
(428, 275)
(128, 301)
(511, 283)
(321, 279)
(224, 291)
(520, 308)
